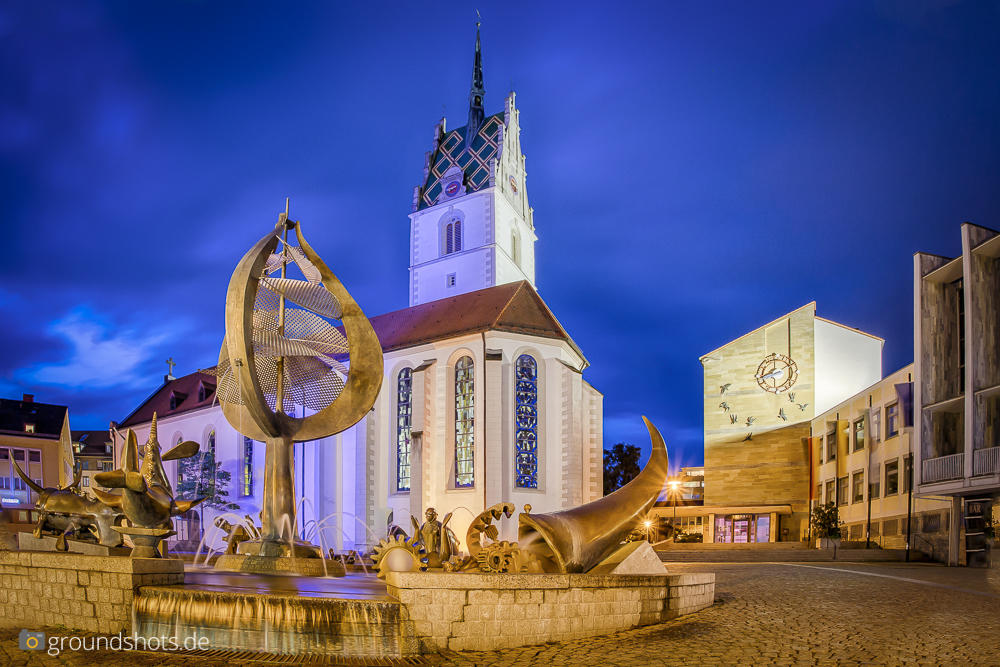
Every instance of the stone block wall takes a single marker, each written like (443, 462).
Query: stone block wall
(88, 593)
(480, 612)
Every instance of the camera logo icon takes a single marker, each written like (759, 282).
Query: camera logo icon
(31, 641)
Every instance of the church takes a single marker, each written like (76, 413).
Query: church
(483, 397)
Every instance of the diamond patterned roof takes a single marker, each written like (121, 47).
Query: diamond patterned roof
(474, 160)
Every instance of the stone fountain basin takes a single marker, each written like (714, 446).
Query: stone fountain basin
(482, 612)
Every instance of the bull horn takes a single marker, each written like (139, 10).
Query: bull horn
(577, 539)
(76, 479)
(24, 478)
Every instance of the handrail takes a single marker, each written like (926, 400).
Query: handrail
(927, 543)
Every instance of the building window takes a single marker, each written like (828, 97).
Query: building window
(858, 487)
(831, 445)
(892, 477)
(449, 280)
(106, 466)
(29, 428)
(84, 465)
(453, 237)
(34, 456)
(514, 254)
(892, 420)
(842, 490)
(876, 429)
(526, 422)
(247, 467)
(907, 473)
(830, 490)
(876, 479)
(859, 434)
(404, 423)
(86, 481)
(464, 422)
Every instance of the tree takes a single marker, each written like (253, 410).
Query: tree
(621, 465)
(826, 521)
(203, 476)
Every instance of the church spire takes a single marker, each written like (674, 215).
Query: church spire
(476, 94)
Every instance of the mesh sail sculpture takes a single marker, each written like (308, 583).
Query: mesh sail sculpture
(282, 357)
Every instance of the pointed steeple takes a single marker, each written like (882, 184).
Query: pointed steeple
(476, 95)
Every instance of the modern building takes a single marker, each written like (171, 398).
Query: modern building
(483, 397)
(93, 452)
(37, 436)
(761, 392)
(863, 452)
(956, 341)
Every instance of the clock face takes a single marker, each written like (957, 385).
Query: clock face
(452, 188)
(513, 185)
(777, 373)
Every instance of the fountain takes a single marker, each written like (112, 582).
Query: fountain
(568, 576)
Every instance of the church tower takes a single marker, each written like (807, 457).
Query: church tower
(471, 226)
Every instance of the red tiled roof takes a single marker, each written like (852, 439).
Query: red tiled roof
(159, 402)
(514, 307)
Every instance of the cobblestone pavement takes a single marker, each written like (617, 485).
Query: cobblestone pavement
(770, 614)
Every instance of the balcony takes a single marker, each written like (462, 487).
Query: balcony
(986, 461)
(942, 468)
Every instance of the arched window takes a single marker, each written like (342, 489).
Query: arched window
(404, 421)
(180, 466)
(526, 422)
(514, 250)
(453, 236)
(464, 422)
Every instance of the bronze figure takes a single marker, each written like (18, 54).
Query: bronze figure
(577, 539)
(437, 539)
(147, 497)
(64, 512)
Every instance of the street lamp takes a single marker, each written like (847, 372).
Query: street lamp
(647, 524)
(673, 495)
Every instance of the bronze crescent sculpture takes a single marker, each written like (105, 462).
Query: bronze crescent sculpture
(577, 539)
(272, 354)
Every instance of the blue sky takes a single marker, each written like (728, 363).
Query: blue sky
(696, 170)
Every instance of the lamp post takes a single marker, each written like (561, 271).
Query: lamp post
(673, 495)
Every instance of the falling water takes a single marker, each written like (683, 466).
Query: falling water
(277, 615)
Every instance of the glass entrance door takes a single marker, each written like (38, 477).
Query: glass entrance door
(741, 531)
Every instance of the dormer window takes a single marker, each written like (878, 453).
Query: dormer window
(176, 399)
(204, 391)
(29, 428)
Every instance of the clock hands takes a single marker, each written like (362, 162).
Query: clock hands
(777, 374)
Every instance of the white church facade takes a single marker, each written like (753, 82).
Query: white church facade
(483, 397)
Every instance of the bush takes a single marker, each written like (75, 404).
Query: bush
(826, 521)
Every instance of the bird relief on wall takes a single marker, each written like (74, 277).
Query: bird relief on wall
(451, 184)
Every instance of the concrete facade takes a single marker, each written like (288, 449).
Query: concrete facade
(956, 340)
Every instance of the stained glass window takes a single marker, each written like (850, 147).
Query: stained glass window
(404, 421)
(464, 422)
(526, 422)
(247, 466)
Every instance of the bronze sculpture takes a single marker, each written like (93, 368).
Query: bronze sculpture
(275, 357)
(437, 539)
(577, 539)
(70, 515)
(147, 497)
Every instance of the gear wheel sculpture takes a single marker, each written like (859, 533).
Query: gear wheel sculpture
(501, 557)
(484, 524)
(384, 563)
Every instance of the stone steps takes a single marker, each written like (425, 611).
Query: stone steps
(788, 555)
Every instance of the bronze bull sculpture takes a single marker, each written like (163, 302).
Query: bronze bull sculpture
(64, 512)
